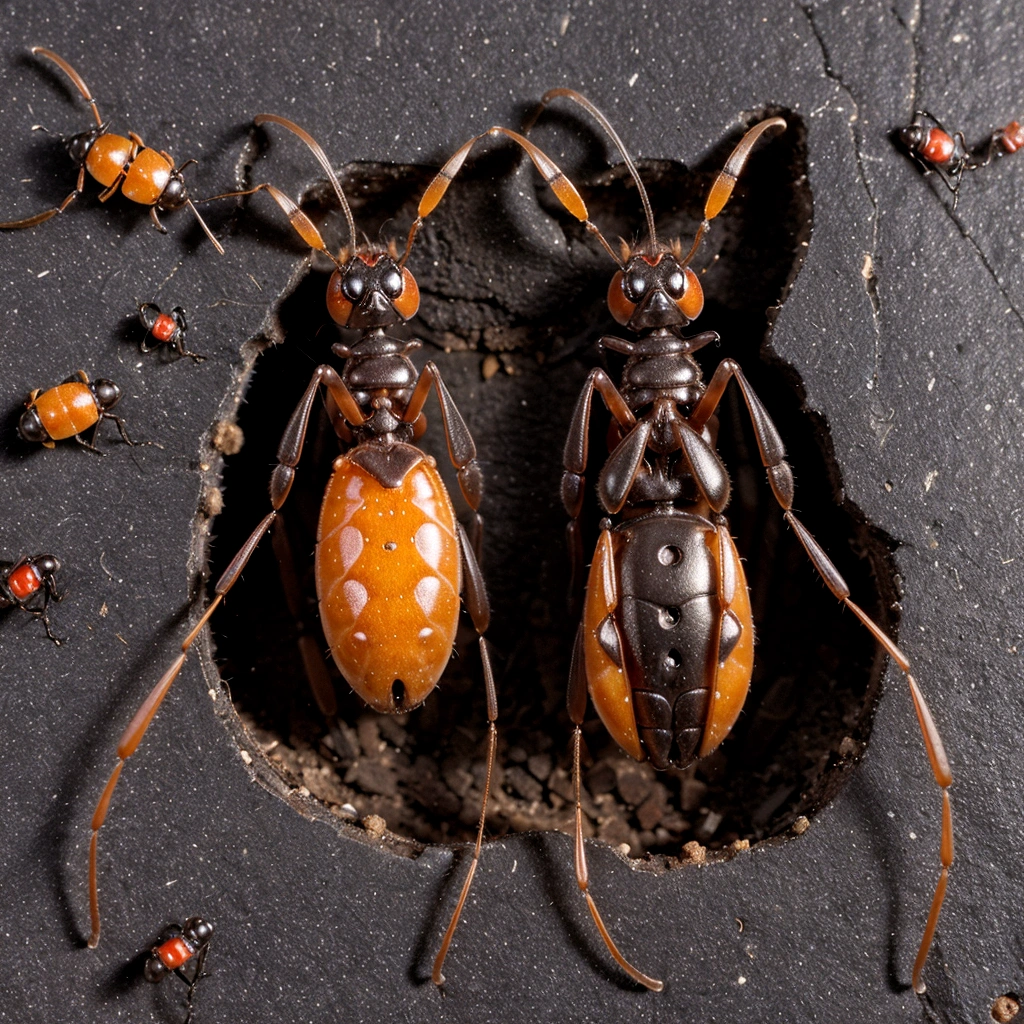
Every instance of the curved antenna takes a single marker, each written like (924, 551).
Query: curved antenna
(582, 100)
(723, 185)
(563, 189)
(76, 79)
(321, 156)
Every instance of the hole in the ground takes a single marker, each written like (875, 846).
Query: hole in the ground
(513, 300)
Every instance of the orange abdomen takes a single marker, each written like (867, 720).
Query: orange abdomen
(147, 177)
(388, 580)
(107, 157)
(66, 410)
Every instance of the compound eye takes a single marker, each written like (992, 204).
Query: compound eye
(676, 284)
(634, 285)
(407, 299)
(392, 283)
(618, 305)
(353, 286)
(691, 299)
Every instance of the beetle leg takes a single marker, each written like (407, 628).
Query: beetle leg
(39, 218)
(317, 675)
(76, 79)
(930, 734)
(111, 190)
(475, 597)
(155, 218)
(289, 451)
(780, 476)
(91, 443)
(42, 613)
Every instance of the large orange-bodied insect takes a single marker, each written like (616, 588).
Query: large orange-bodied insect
(144, 175)
(665, 647)
(391, 558)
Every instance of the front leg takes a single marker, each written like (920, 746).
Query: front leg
(574, 462)
(461, 449)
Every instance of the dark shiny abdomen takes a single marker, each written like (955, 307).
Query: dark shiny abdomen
(668, 614)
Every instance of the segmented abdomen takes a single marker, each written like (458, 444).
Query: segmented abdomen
(388, 580)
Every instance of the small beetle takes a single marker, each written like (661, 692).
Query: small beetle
(144, 175)
(30, 585)
(166, 329)
(177, 947)
(69, 409)
(934, 148)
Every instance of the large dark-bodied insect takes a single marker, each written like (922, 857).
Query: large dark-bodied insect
(934, 148)
(665, 645)
(391, 557)
(69, 410)
(179, 947)
(143, 175)
(30, 585)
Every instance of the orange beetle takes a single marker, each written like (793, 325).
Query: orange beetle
(70, 409)
(145, 176)
(391, 558)
(665, 647)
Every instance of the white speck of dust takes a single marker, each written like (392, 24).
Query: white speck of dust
(632, 80)
(930, 479)
(741, 980)
(913, 835)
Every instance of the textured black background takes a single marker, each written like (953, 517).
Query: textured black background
(918, 388)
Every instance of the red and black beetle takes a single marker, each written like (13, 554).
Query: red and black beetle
(934, 148)
(30, 585)
(179, 947)
(166, 329)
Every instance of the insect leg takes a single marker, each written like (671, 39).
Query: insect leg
(39, 218)
(475, 597)
(574, 462)
(289, 451)
(780, 476)
(461, 449)
(577, 703)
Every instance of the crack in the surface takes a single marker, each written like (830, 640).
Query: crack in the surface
(881, 419)
(1011, 306)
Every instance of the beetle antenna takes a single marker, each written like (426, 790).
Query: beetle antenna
(321, 156)
(76, 79)
(202, 223)
(576, 97)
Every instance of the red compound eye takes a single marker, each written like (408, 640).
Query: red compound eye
(408, 299)
(619, 306)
